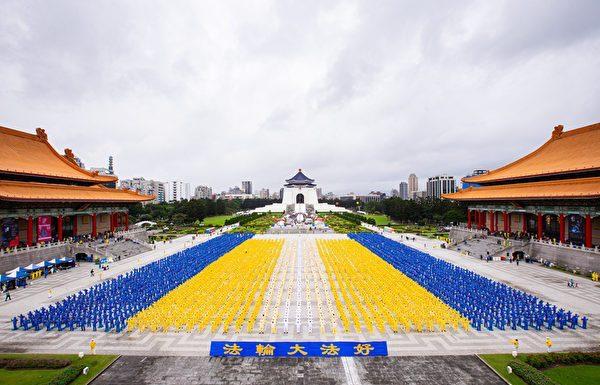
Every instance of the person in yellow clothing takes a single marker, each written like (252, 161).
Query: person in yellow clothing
(93, 346)
(548, 343)
(515, 343)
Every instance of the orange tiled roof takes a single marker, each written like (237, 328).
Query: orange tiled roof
(17, 191)
(29, 154)
(581, 188)
(566, 152)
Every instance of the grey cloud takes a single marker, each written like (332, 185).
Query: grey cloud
(358, 93)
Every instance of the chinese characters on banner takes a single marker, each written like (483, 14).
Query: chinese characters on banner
(297, 349)
(44, 228)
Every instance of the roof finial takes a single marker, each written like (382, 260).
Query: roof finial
(41, 133)
(558, 130)
(299, 170)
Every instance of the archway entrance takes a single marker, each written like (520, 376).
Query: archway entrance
(300, 198)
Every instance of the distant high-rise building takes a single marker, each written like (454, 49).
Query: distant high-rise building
(395, 193)
(439, 185)
(247, 187)
(474, 173)
(146, 187)
(111, 169)
(176, 190)
(264, 193)
(413, 185)
(419, 195)
(203, 192)
(403, 190)
(319, 192)
(236, 191)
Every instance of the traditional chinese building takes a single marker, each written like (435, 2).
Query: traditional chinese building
(552, 193)
(45, 196)
(299, 195)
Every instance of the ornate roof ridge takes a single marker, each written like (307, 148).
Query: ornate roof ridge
(41, 137)
(557, 136)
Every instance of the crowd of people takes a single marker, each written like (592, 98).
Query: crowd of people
(109, 304)
(485, 302)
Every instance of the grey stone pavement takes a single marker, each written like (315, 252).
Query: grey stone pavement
(442, 370)
(547, 284)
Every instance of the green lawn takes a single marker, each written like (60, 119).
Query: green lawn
(42, 376)
(499, 362)
(380, 219)
(575, 375)
(218, 220)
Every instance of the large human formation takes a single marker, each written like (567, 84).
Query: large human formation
(374, 294)
(228, 294)
(485, 302)
(109, 304)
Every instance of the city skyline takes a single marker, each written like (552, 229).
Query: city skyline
(249, 189)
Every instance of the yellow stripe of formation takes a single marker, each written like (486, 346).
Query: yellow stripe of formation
(227, 293)
(370, 292)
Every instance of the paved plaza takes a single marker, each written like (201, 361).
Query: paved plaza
(441, 370)
(297, 318)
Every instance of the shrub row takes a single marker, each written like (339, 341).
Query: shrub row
(33, 363)
(546, 360)
(356, 218)
(66, 376)
(529, 374)
(243, 219)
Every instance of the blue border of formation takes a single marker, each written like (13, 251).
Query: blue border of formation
(298, 349)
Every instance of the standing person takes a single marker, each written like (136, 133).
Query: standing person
(548, 343)
(93, 347)
(92, 273)
(7, 294)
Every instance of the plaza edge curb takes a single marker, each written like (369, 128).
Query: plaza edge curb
(492, 369)
(103, 370)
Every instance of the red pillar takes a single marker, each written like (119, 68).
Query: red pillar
(524, 222)
(468, 218)
(112, 222)
(588, 231)
(483, 222)
(506, 223)
(477, 222)
(74, 225)
(30, 231)
(492, 227)
(94, 229)
(59, 230)
(561, 228)
(540, 226)
(126, 221)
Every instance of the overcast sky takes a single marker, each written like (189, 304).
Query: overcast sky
(357, 93)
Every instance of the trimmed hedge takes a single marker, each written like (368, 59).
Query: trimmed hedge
(66, 376)
(243, 219)
(356, 218)
(33, 363)
(529, 374)
(546, 360)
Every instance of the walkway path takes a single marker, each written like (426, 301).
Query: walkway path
(451, 370)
